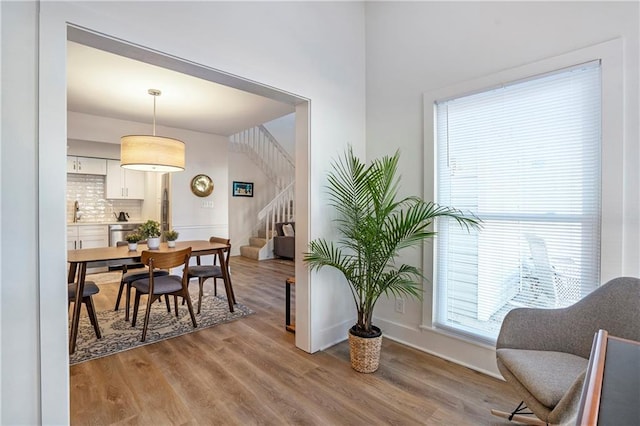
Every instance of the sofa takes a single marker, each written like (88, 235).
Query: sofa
(284, 242)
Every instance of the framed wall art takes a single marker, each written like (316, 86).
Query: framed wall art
(242, 189)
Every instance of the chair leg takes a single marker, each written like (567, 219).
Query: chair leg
(128, 302)
(150, 299)
(519, 415)
(136, 304)
(200, 293)
(166, 299)
(91, 311)
(119, 296)
(233, 295)
(185, 295)
(175, 303)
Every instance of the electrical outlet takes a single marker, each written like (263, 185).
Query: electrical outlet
(400, 305)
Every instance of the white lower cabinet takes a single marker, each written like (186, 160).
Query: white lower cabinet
(87, 236)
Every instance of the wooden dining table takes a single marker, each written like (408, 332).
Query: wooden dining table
(78, 260)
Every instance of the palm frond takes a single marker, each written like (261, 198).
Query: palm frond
(374, 225)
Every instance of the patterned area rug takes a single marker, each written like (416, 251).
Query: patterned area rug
(118, 335)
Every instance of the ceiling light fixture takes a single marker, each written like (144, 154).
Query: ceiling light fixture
(152, 153)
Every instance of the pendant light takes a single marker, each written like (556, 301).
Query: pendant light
(151, 153)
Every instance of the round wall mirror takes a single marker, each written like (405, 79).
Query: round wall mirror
(201, 185)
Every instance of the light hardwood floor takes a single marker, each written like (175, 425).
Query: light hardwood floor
(250, 372)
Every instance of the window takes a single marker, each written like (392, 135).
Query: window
(525, 157)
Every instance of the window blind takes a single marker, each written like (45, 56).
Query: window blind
(525, 158)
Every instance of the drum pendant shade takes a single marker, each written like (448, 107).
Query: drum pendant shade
(151, 153)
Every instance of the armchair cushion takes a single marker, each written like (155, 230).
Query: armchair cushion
(546, 375)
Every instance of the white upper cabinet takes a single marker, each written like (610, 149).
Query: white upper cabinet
(86, 165)
(124, 183)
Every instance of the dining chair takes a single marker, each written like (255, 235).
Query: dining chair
(156, 286)
(90, 288)
(204, 272)
(128, 277)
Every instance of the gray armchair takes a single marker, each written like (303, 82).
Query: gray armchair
(543, 353)
(284, 246)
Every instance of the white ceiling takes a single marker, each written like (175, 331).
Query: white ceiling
(105, 84)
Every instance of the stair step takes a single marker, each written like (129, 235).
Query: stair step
(250, 252)
(257, 242)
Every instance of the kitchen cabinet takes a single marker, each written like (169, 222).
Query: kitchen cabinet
(87, 236)
(124, 183)
(86, 165)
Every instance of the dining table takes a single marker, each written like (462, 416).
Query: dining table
(78, 260)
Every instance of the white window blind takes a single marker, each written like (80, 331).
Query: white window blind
(525, 158)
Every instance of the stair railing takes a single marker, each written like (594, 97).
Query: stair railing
(265, 151)
(280, 209)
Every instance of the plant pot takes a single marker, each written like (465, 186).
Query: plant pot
(171, 243)
(153, 243)
(133, 246)
(365, 351)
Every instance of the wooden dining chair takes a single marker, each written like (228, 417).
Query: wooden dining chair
(156, 286)
(140, 271)
(204, 272)
(90, 288)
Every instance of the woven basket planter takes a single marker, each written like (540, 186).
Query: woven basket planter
(365, 352)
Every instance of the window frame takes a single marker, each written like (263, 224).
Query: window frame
(611, 241)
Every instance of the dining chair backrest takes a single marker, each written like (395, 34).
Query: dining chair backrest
(166, 260)
(225, 241)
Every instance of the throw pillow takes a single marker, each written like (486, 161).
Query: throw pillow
(288, 231)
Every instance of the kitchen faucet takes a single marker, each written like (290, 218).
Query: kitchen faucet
(76, 209)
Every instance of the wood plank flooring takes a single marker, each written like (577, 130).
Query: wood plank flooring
(250, 372)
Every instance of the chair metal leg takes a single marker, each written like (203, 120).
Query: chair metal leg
(520, 415)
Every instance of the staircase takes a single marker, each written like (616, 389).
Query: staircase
(263, 149)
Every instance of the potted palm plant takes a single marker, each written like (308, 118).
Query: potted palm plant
(374, 225)
(150, 231)
(171, 237)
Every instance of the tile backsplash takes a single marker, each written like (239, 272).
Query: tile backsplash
(89, 191)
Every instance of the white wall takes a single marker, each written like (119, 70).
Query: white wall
(417, 47)
(19, 334)
(315, 50)
(284, 130)
(206, 154)
(244, 210)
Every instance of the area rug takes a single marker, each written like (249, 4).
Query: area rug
(118, 335)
